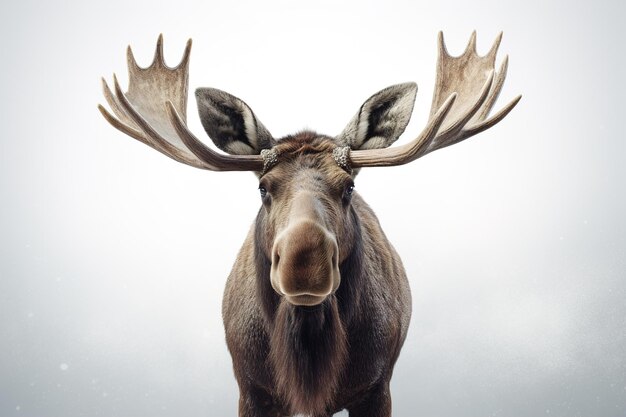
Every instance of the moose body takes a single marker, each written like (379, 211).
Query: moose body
(317, 305)
(289, 358)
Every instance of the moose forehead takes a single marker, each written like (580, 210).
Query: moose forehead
(306, 157)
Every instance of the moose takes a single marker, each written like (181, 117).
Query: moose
(317, 305)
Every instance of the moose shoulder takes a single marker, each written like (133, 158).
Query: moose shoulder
(317, 305)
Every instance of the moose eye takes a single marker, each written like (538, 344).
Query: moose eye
(347, 193)
(262, 191)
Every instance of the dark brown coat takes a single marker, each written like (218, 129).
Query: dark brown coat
(340, 354)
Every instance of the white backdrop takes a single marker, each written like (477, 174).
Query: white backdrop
(113, 258)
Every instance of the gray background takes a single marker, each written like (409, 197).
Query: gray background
(113, 257)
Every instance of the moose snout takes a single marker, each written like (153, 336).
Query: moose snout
(305, 265)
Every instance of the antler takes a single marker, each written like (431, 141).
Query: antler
(154, 111)
(465, 91)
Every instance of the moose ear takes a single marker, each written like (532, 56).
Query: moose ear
(230, 123)
(381, 119)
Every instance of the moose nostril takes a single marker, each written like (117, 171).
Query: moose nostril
(275, 255)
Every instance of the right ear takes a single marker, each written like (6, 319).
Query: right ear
(231, 124)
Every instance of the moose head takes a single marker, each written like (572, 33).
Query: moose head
(308, 235)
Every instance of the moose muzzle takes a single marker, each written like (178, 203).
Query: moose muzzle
(305, 256)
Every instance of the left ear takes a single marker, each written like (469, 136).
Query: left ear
(381, 119)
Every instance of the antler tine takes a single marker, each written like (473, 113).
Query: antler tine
(158, 59)
(113, 103)
(135, 134)
(131, 62)
(495, 119)
(471, 45)
(441, 47)
(494, 48)
(475, 84)
(184, 62)
(495, 91)
(153, 111)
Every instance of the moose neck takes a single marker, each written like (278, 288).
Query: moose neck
(308, 345)
(308, 352)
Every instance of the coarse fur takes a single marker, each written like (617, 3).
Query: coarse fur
(317, 360)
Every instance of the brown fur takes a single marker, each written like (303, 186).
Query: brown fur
(339, 354)
(308, 353)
